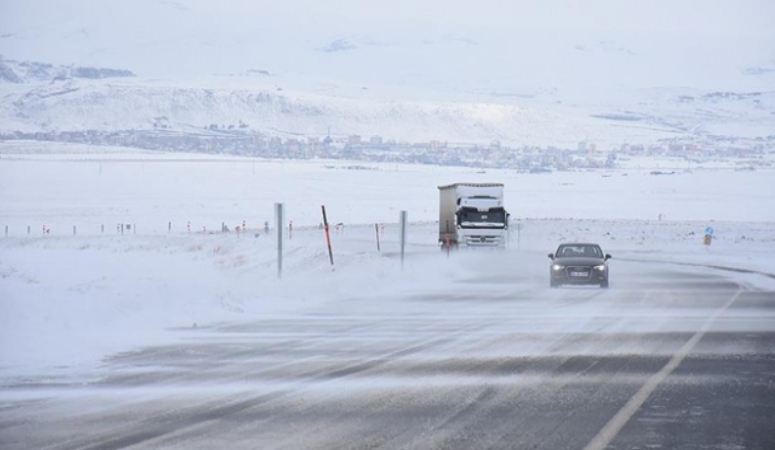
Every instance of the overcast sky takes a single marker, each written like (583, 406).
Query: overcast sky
(671, 41)
(708, 16)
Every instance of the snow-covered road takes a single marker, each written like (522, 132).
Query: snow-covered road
(669, 357)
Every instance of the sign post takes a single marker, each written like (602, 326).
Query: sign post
(708, 236)
(403, 236)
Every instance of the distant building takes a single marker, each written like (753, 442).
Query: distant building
(293, 146)
(354, 140)
(582, 146)
(676, 147)
(275, 143)
(375, 140)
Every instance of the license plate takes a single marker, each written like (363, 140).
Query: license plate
(579, 274)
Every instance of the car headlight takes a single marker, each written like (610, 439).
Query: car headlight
(557, 267)
(601, 267)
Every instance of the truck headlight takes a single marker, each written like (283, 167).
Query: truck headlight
(557, 267)
(600, 267)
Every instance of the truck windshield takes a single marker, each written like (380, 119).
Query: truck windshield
(472, 216)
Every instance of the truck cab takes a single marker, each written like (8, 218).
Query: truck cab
(473, 215)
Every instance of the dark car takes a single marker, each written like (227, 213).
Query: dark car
(576, 263)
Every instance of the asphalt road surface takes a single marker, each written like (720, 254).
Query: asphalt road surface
(667, 358)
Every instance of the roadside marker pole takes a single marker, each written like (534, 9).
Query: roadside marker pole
(403, 236)
(73, 230)
(6, 231)
(29, 229)
(278, 207)
(290, 230)
(376, 231)
(328, 235)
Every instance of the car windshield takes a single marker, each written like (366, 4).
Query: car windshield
(579, 251)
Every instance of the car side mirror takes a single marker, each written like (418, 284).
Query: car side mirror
(607, 256)
(551, 256)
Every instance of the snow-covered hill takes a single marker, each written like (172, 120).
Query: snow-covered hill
(516, 72)
(110, 104)
(12, 71)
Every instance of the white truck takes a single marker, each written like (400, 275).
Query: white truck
(473, 215)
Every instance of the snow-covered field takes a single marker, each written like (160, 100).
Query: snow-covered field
(69, 300)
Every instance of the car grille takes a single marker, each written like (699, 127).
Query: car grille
(571, 273)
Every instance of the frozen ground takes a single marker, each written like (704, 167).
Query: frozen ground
(474, 351)
(169, 338)
(88, 186)
(69, 300)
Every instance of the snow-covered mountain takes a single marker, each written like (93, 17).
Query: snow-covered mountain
(516, 72)
(30, 72)
(644, 117)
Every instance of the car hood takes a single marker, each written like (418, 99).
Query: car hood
(578, 261)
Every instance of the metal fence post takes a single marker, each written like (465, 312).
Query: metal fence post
(278, 208)
(403, 236)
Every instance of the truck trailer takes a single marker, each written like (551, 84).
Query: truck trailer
(472, 215)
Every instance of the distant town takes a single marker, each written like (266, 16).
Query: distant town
(239, 140)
